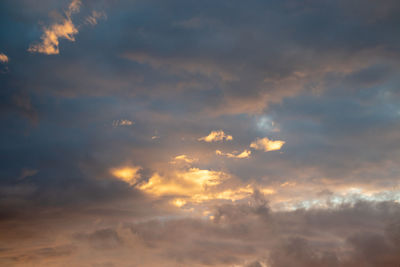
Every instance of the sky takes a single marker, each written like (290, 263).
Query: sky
(259, 133)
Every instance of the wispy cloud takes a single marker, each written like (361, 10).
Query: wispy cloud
(267, 144)
(94, 17)
(216, 136)
(183, 158)
(27, 173)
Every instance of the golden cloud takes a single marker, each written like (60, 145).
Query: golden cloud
(64, 29)
(196, 186)
(267, 144)
(191, 182)
(243, 155)
(50, 38)
(215, 136)
(128, 174)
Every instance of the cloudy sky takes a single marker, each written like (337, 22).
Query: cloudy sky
(259, 133)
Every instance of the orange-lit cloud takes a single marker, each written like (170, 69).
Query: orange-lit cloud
(196, 186)
(267, 144)
(66, 29)
(193, 182)
(216, 136)
(243, 155)
(128, 174)
(3, 58)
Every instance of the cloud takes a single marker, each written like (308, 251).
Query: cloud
(194, 183)
(94, 17)
(246, 234)
(179, 65)
(188, 185)
(74, 7)
(328, 89)
(123, 122)
(215, 136)
(243, 155)
(27, 173)
(3, 58)
(66, 29)
(184, 159)
(128, 174)
(267, 144)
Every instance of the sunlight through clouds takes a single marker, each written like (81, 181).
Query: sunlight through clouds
(199, 133)
(128, 174)
(267, 144)
(242, 155)
(216, 136)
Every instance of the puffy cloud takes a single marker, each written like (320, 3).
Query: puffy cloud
(215, 136)
(3, 58)
(267, 144)
(242, 155)
(188, 185)
(194, 183)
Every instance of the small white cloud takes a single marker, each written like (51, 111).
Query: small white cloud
(267, 144)
(3, 58)
(243, 155)
(118, 123)
(215, 136)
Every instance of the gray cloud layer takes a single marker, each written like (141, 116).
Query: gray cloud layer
(322, 76)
